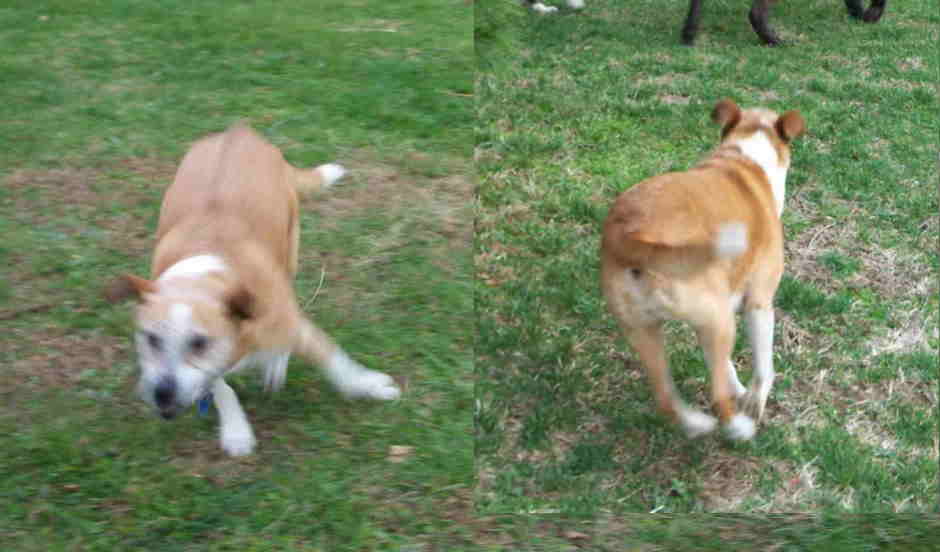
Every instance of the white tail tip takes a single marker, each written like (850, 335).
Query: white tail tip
(731, 240)
(576, 4)
(330, 173)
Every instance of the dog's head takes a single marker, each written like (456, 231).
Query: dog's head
(185, 340)
(763, 136)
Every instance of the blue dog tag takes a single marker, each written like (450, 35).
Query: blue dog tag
(203, 404)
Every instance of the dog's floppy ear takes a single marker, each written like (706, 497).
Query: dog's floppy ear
(126, 286)
(727, 114)
(790, 125)
(241, 304)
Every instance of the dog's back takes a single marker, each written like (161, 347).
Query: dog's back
(240, 182)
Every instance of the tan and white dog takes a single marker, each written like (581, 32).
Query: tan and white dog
(220, 296)
(695, 246)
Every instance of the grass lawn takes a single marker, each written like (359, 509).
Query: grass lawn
(589, 103)
(99, 104)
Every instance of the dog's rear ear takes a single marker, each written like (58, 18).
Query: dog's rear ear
(241, 304)
(727, 114)
(127, 286)
(790, 125)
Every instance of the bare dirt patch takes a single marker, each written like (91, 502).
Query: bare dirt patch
(48, 357)
(51, 196)
(433, 211)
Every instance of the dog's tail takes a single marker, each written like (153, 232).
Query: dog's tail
(318, 178)
(644, 250)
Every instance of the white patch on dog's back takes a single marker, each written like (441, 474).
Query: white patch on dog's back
(758, 148)
(731, 240)
(194, 266)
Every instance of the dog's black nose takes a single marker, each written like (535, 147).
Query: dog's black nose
(165, 392)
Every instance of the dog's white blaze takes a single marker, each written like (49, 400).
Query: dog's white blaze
(758, 148)
(330, 173)
(181, 315)
(194, 266)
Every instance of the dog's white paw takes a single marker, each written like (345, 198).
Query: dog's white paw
(331, 173)
(696, 423)
(238, 441)
(740, 428)
(542, 8)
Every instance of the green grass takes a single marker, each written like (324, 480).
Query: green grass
(99, 103)
(595, 101)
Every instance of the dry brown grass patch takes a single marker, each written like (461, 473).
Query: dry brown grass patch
(47, 357)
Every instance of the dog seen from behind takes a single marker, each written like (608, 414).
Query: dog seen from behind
(697, 245)
(220, 296)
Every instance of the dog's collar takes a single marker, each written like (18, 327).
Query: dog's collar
(203, 404)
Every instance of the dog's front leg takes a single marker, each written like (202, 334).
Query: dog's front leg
(236, 434)
(350, 378)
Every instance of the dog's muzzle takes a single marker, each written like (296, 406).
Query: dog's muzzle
(164, 397)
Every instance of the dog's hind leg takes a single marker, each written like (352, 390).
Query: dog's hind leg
(649, 344)
(716, 337)
(760, 9)
(690, 29)
(871, 15)
(855, 8)
(874, 11)
(350, 378)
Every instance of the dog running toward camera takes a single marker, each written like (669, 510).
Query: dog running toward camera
(695, 246)
(220, 297)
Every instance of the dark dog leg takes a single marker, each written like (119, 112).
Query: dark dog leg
(690, 29)
(758, 17)
(855, 8)
(874, 12)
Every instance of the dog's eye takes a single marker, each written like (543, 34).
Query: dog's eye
(198, 344)
(155, 341)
